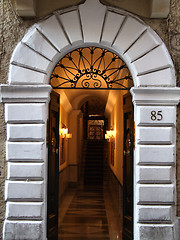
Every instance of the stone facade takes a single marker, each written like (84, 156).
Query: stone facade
(174, 48)
(3, 166)
(14, 28)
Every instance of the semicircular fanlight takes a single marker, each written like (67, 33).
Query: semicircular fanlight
(91, 68)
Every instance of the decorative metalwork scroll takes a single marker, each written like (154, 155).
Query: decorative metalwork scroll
(91, 68)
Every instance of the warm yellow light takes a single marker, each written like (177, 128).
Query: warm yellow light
(110, 134)
(64, 133)
(69, 135)
(113, 133)
(106, 136)
(65, 130)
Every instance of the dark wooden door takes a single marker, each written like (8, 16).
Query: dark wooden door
(53, 167)
(128, 168)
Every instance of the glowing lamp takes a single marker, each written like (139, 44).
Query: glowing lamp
(110, 134)
(64, 133)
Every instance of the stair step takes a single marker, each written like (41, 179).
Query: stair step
(93, 161)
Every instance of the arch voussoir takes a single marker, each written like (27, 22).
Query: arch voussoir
(136, 43)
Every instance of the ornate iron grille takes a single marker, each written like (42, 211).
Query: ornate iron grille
(91, 68)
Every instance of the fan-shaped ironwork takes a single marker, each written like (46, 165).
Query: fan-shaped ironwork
(91, 68)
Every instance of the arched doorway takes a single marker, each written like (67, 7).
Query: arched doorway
(154, 96)
(102, 80)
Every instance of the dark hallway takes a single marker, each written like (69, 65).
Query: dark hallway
(94, 162)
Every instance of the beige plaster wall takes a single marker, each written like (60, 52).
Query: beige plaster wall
(116, 121)
(174, 36)
(13, 28)
(64, 120)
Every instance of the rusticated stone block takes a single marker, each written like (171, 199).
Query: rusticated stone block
(23, 230)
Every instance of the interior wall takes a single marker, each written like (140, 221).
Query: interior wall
(64, 120)
(75, 127)
(116, 121)
(63, 168)
(69, 170)
(73, 144)
(115, 173)
(80, 145)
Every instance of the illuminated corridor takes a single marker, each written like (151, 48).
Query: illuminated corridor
(91, 138)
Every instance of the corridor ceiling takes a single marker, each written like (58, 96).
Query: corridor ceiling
(74, 98)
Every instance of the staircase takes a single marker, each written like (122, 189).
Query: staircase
(94, 162)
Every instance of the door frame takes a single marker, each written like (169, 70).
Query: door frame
(127, 233)
(52, 218)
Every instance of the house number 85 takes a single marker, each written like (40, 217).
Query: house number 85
(156, 115)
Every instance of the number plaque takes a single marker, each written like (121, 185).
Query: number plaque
(156, 115)
(153, 115)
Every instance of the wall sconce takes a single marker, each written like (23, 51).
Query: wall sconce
(110, 135)
(64, 133)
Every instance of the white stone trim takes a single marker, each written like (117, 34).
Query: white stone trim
(25, 171)
(156, 96)
(26, 111)
(155, 231)
(131, 39)
(24, 229)
(26, 103)
(154, 163)
(24, 93)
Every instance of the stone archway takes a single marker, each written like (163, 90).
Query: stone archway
(154, 95)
